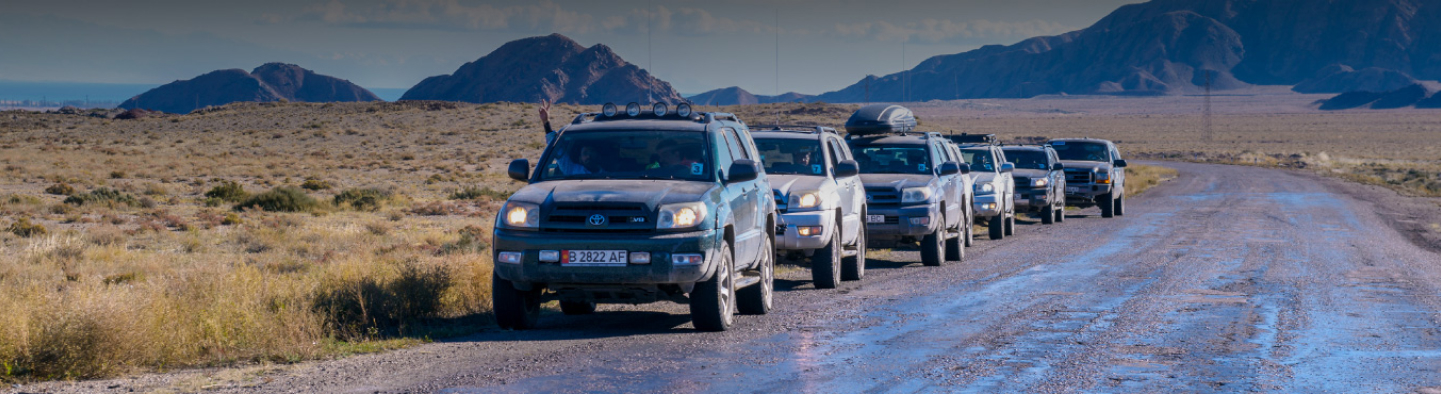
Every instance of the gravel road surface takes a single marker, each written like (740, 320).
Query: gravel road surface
(1226, 279)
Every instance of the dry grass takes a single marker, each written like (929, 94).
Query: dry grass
(1140, 178)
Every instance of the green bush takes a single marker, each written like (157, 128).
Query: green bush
(60, 189)
(280, 199)
(227, 191)
(103, 196)
(315, 184)
(369, 306)
(367, 199)
(25, 229)
(471, 193)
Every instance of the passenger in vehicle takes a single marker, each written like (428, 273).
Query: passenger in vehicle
(580, 160)
(545, 120)
(676, 159)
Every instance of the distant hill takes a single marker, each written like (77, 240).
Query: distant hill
(553, 67)
(1340, 78)
(269, 82)
(734, 95)
(1408, 96)
(1171, 46)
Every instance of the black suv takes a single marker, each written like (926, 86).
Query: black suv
(1095, 174)
(915, 190)
(1040, 181)
(636, 207)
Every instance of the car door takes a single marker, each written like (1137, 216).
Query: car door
(948, 184)
(848, 188)
(1119, 174)
(744, 205)
(1058, 177)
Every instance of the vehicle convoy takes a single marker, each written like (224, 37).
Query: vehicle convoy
(995, 188)
(1040, 181)
(636, 207)
(819, 198)
(915, 189)
(1095, 174)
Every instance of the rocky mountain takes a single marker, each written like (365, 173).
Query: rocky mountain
(1339, 78)
(734, 95)
(553, 67)
(1173, 46)
(1408, 96)
(269, 82)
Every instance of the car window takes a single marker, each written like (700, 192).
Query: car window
(980, 159)
(1029, 159)
(737, 150)
(748, 142)
(790, 156)
(724, 159)
(1081, 151)
(835, 151)
(841, 147)
(937, 156)
(892, 159)
(626, 155)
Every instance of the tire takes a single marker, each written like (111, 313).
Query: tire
(955, 247)
(712, 303)
(1061, 214)
(514, 309)
(826, 263)
(854, 267)
(1107, 204)
(997, 226)
(1011, 224)
(1121, 206)
(577, 308)
(1048, 215)
(933, 248)
(758, 299)
(970, 229)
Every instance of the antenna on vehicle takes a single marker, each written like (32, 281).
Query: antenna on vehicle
(778, 64)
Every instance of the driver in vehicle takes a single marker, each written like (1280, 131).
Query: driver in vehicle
(675, 158)
(583, 163)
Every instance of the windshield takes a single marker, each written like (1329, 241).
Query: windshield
(1028, 159)
(789, 156)
(979, 159)
(892, 159)
(1081, 151)
(627, 155)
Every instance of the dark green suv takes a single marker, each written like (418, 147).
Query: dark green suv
(637, 207)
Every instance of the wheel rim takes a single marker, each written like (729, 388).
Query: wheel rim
(837, 253)
(727, 292)
(861, 252)
(768, 274)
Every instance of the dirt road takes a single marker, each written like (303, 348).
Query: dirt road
(1227, 279)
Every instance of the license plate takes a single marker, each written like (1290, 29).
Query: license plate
(1073, 189)
(875, 218)
(594, 257)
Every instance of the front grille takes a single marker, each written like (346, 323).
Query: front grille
(887, 197)
(781, 203)
(598, 207)
(610, 219)
(1078, 176)
(893, 220)
(596, 231)
(1023, 181)
(575, 217)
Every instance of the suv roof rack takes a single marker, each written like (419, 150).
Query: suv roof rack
(967, 138)
(796, 129)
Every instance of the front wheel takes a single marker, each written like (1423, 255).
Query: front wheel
(1048, 215)
(712, 303)
(997, 226)
(1107, 204)
(955, 247)
(1121, 206)
(1011, 224)
(514, 309)
(854, 267)
(1061, 214)
(826, 263)
(933, 247)
(757, 299)
(970, 225)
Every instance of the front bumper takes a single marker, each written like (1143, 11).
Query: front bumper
(1033, 199)
(660, 245)
(989, 205)
(1087, 191)
(897, 223)
(788, 237)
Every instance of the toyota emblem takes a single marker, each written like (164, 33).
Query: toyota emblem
(596, 220)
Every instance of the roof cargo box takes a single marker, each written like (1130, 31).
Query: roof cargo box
(881, 119)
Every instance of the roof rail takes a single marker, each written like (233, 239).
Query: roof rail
(797, 128)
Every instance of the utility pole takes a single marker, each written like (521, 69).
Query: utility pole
(1206, 110)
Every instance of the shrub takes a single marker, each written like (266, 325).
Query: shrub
(25, 229)
(60, 189)
(280, 199)
(367, 306)
(231, 219)
(315, 184)
(367, 199)
(103, 196)
(228, 191)
(471, 193)
(117, 174)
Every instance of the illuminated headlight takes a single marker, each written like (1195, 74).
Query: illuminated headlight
(810, 231)
(521, 215)
(509, 257)
(806, 200)
(683, 215)
(985, 188)
(915, 195)
(1040, 182)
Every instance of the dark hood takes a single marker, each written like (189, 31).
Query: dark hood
(896, 181)
(1032, 173)
(1099, 166)
(652, 193)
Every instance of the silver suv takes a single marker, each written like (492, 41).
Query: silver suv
(995, 188)
(1095, 174)
(820, 199)
(1040, 181)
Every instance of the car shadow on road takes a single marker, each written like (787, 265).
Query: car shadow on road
(555, 326)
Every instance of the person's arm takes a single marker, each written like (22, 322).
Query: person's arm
(545, 115)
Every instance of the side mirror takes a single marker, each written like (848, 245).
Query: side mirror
(950, 168)
(1007, 168)
(1120, 163)
(743, 170)
(519, 170)
(1058, 167)
(965, 168)
(847, 169)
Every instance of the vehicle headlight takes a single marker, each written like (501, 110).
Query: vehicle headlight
(812, 199)
(520, 215)
(915, 195)
(1103, 175)
(985, 188)
(683, 215)
(809, 200)
(1040, 182)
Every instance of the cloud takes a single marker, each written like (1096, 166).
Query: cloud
(942, 30)
(451, 15)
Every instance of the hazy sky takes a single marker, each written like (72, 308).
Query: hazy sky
(695, 45)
